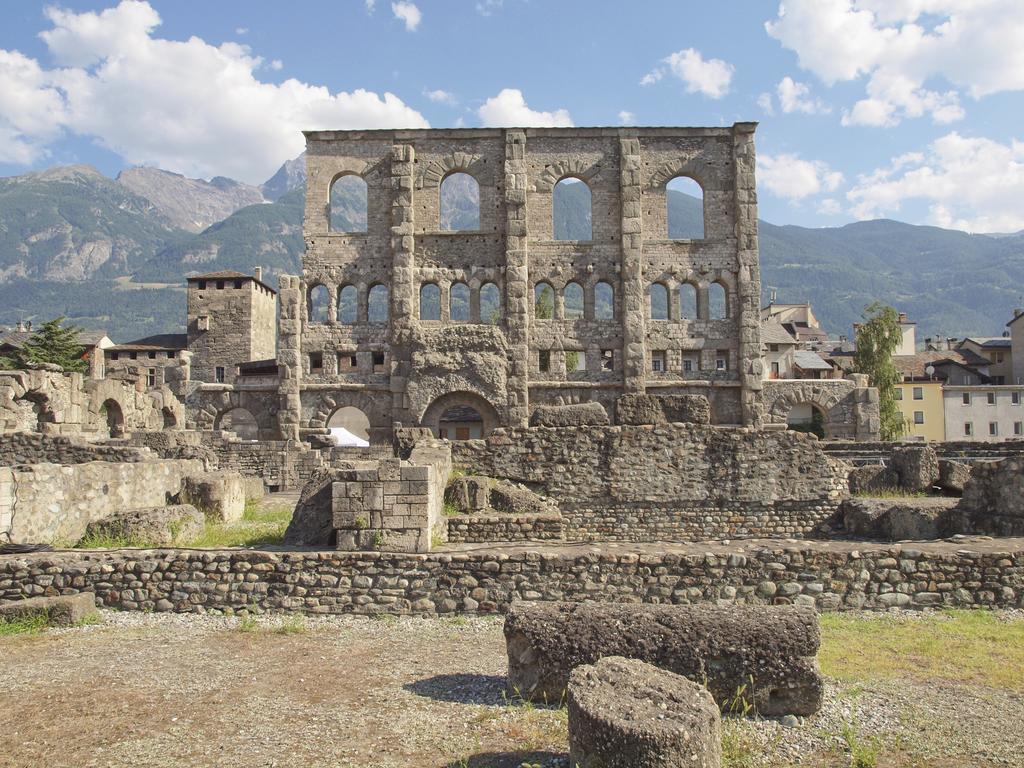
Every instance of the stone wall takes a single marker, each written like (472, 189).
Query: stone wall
(481, 529)
(35, 448)
(832, 576)
(49, 503)
(672, 482)
(849, 406)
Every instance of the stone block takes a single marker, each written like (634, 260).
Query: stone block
(769, 650)
(59, 611)
(872, 479)
(916, 466)
(574, 415)
(953, 476)
(899, 519)
(625, 713)
(175, 525)
(662, 409)
(218, 495)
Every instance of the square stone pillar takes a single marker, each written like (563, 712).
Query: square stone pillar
(291, 315)
(517, 287)
(634, 352)
(403, 277)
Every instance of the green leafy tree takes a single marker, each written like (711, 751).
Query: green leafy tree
(544, 304)
(878, 337)
(54, 343)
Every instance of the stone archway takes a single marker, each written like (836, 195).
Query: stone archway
(240, 421)
(813, 405)
(319, 408)
(111, 412)
(463, 408)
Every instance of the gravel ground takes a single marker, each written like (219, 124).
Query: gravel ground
(173, 690)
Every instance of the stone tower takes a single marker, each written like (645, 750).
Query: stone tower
(231, 320)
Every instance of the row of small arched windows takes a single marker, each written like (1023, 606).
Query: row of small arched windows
(349, 308)
(571, 207)
(691, 305)
(463, 306)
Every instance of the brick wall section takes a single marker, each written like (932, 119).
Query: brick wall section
(481, 529)
(35, 448)
(832, 577)
(672, 482)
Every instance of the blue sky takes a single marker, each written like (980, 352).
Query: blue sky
(906, 109)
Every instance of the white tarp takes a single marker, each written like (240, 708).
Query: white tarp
(342, 437)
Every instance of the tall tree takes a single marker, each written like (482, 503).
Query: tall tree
(878, 337)
(54, 343)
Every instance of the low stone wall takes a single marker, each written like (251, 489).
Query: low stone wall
(849, 406)
(35, 448)
(671, 482)
(50, 503)
(481, 529)
(832, 576)
(872, 452)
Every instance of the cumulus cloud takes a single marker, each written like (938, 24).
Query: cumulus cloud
(509, 109)
(793, 178)
(440, 96)
(710, 77)
(487, 7)
(626, 118)
(187, 106)
(901, 45)
(767, 105)
(407, 13)
(795, 97)
(975, 184)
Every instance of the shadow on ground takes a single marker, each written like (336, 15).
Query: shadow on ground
(511, 760)
(462, 688)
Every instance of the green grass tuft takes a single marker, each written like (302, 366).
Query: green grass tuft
(23, 625)
(261, 524)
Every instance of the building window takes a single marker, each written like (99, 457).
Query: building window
(968, 428)
(1018, 427)
(347, 361)
(151, 355)
(316, 361)
(219, 374)
(378, 362)
(967, 398)
(773, 347)
(898, 392)
(575, 360)
(151, 377)
(202, 285)
(688, 365)
(220, 285)
(658, 361)
(544, 360)
(722, 361)
(238, 284)
(999, 357)
(991, 397)
(134, 355)
(113, 355)
(919, 393)
(919, 417)
(1015, 398)
(607, 360)
(993, 428)
(170, 355)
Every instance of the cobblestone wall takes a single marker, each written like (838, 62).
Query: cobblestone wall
(36, 448)
(832, 576)
(672, 482)
(487, 528)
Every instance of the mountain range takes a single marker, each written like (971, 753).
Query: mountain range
(112, 253)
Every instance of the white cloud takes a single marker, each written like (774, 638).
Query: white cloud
(407, 13)
(795, 97)
(187, 106)
(793, 178)
(902, 45)
(764, 101)
(277, 65)
(710, 77)
(487, 7)
(509, 109)
(241, 30)
(975, 184)
(829, 207)
(370, 5)
(627, 118)
(441, 97)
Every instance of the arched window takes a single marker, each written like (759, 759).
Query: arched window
(571, 210)
(604, 301)
(459, 203)
(430, 302)
(348, 305)
(351, 420)
(490, 304)
(458, 303)
(543, 301)
(240, 421)
(659, 301)
(572, 301)
(348, 204)
(718, 302)
(685, 200)
(319, 304)
(688, 301)
(377, 304)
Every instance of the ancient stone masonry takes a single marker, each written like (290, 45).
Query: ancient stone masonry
(672, 482)
(833, 576)
(399, 365)
(849, 406)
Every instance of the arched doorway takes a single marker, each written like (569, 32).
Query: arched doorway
(806, 417)
(112, 414)
(170, 420)
(460, 416)
(240, 421)
(350, 427)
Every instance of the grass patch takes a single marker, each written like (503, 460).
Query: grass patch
(96, 540)
(450, 510)
(863, 752)
(986, 650)
(260, 524)
(23, 625)
(889, 493)
(292, 624)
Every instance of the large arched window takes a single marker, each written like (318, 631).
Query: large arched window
(458, 303)
(348, 305)
(658, 294)
(459, 203)
(718, 302)
(490, 304)
(572, 301)
(685, 200)
(377, 304)
(430, 302)
(604, 301)
(571, 210)
(688, 301)
(319, 304)
(348, 204)
(543, 301)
